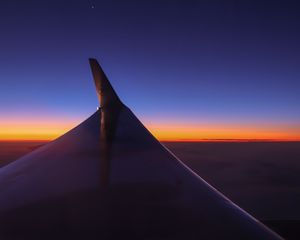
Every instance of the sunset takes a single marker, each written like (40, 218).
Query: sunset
(163, 129)
(139, 120)
(229, 67)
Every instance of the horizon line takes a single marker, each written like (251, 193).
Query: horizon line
(174, 140)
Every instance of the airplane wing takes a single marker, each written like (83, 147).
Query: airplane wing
(109, 178)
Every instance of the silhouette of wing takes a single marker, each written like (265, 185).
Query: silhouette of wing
(109, 178)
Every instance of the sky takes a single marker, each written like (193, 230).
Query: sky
(189, 70)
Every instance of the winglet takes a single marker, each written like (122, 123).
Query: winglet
(105, 92)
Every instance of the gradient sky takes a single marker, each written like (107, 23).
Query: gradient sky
(190, 70)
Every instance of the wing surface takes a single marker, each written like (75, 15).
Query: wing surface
(109, 178)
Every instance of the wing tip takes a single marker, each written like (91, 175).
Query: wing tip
(106, 93)
(93, 60)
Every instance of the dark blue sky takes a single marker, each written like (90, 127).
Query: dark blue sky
(222, 62)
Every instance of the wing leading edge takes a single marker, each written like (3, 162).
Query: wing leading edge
(110, 178)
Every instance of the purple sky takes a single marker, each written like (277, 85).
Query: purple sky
(191, 62)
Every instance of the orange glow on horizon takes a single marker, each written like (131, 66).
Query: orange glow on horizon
(225, 132)
(41, 129)
(37, 129)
